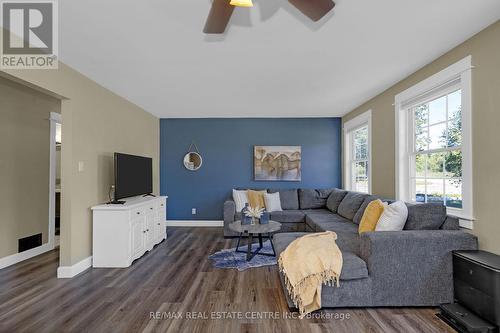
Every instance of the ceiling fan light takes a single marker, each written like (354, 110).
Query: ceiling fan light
(241, 3)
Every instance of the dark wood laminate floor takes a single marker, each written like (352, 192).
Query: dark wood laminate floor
(175, 279)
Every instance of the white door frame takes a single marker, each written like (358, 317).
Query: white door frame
(55, 118)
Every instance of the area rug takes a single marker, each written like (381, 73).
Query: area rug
(228, 258)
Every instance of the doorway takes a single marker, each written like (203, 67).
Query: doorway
(28, 119)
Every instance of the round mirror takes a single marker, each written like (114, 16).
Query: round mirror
(193, 161)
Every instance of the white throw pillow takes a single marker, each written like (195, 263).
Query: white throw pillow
(393, 218)
(273, 203)
(240, 199)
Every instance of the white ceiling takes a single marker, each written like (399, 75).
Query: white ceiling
(272, 61)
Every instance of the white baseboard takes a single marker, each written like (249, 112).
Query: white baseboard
(67, 272)
(194, 223)
(18, 257)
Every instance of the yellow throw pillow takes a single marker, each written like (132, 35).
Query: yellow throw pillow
(256, 199)
(371, 216)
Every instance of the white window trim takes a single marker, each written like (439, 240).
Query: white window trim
(349, 126)
(460, 70)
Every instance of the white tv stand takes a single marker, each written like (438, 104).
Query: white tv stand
(123, 233)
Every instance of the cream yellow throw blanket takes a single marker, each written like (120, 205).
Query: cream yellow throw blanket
(308, 263)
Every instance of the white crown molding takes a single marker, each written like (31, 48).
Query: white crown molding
(67, 272)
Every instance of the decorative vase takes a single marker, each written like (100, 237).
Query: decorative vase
(264, 219)
(245, 219)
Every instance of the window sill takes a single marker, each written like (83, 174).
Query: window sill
(460, 214)
(466, 224)
(466, 221)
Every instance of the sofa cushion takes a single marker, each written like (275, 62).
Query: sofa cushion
(332, 222)
(347, 232)
(359, 214)
(282, 240)
(289, 198)
(427, 216)
(335, 199)
(351, 204)
(451, 223)
(237, 216)
(313, 199)
(320, 211)
(288, 216)
(353, 266)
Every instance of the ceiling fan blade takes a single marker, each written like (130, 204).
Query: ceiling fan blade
(314, 9)
(218, 18)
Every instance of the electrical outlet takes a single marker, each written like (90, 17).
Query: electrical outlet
(193, 211)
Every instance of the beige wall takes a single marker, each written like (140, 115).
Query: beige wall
(96, 123)
(24, 164)
(485, 51)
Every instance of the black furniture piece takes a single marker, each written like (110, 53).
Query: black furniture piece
(258, 230)
(476, 279)
(463, 320)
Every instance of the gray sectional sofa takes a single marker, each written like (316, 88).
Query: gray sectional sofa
(412, 267)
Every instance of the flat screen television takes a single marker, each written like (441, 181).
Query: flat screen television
(133, 175)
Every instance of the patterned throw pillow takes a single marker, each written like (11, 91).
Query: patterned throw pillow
(393, 218)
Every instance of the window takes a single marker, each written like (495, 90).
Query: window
(434, 161)
(436, 157)
(357, 137)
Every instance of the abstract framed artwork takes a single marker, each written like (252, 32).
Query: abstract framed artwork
(277, 163)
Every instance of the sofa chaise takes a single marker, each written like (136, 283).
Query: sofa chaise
(412, 267)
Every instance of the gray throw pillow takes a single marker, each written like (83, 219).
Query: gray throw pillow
(451, 223)
(428, 216)
(335, 199)
(359, 214)
(289, 198)
(350, 204)
(313, 199)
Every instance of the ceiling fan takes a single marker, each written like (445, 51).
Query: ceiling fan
(221, 11)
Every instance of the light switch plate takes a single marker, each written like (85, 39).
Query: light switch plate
(81, 166)
(193, 211)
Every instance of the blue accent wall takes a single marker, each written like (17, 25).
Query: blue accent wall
(226, 146)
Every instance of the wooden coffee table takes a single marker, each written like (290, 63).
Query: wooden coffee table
(255, 230)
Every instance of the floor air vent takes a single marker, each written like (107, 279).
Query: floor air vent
(30, 242)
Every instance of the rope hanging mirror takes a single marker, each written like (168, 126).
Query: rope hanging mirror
(193, 160)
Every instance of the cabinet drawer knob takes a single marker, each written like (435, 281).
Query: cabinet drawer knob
(138, 213)
(144, 231)
(158, 223)
(151, 208)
